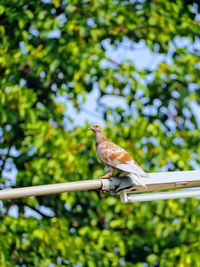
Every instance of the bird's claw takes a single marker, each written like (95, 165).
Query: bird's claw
(106, 176)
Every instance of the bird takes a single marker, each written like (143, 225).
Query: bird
(116, 158)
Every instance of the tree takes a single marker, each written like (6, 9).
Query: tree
(54, 53)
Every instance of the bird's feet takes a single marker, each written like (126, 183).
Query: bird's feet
(106, 176)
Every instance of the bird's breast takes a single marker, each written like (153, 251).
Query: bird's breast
(103, 152)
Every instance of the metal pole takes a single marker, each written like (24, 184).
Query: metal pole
(186, 193)
(53, 189)
(156, 181)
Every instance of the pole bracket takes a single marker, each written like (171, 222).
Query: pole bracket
(188, 181)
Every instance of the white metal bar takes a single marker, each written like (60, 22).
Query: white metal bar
(52, 189)
(167, 177)
(169, 180)
(125, 198)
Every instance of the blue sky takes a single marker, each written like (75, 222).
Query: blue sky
(142, 57)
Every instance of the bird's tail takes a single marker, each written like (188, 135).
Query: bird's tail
(136, 179)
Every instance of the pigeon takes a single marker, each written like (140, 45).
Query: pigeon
(116, 158)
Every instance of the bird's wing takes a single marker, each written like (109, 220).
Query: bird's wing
(116, 157)
(132, 167)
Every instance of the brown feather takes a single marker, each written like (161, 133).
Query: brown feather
(125, 158)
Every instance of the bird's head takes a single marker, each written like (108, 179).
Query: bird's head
(96, 128)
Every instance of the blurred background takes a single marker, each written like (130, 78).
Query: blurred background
(132, 66)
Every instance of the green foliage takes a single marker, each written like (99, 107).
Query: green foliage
(53, 50)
